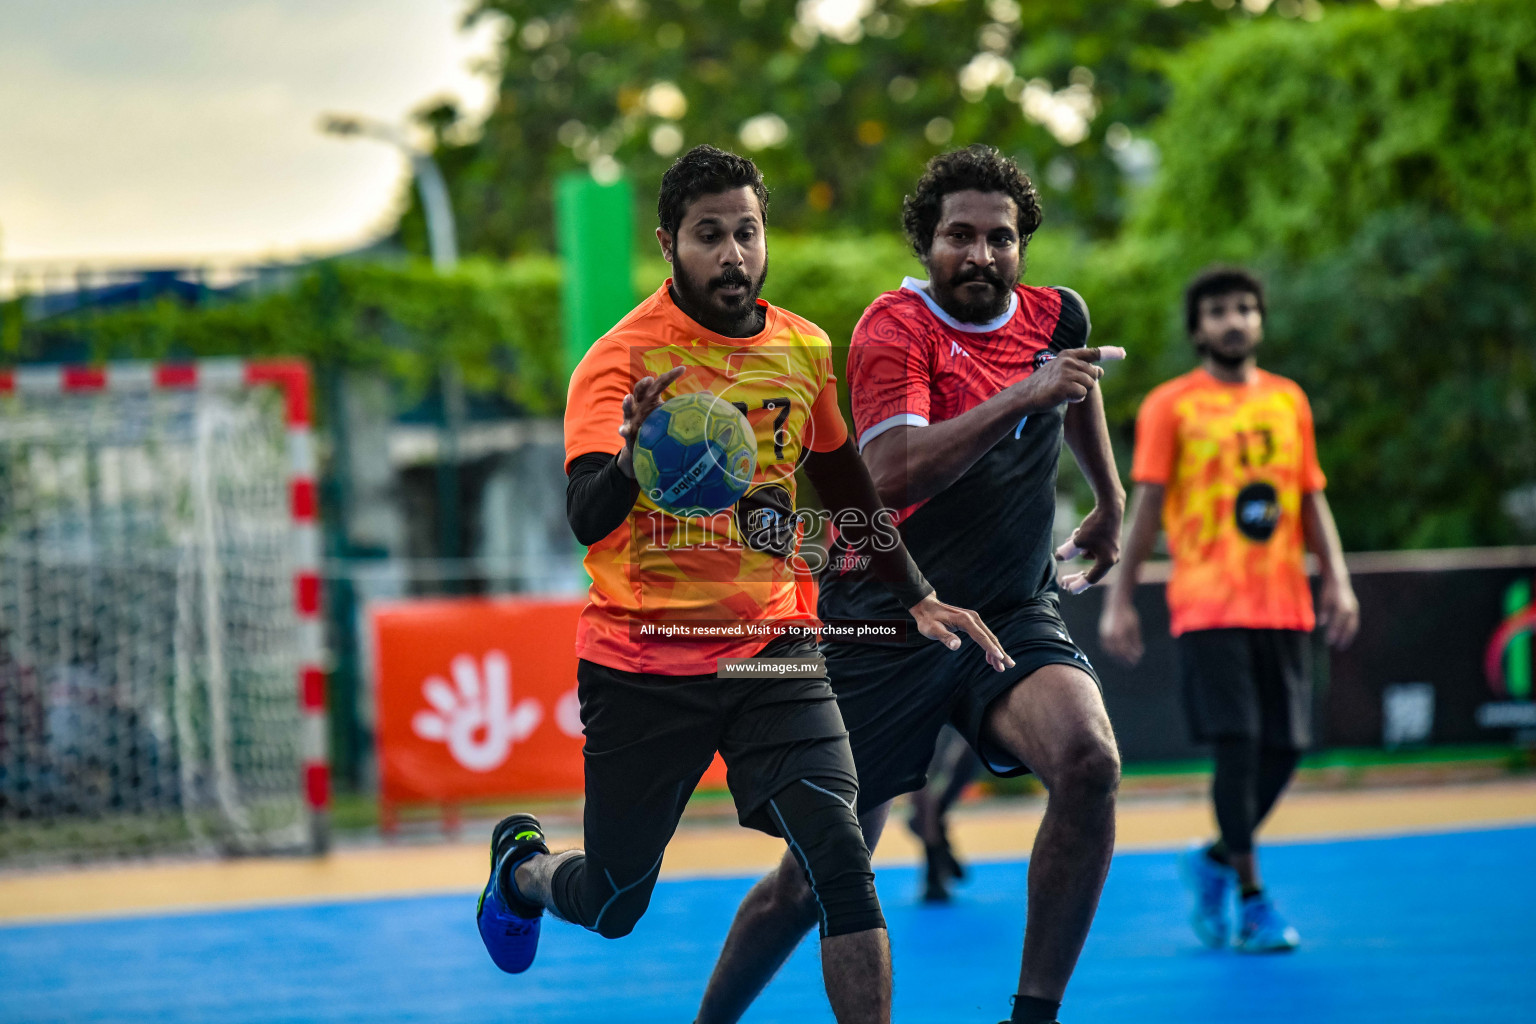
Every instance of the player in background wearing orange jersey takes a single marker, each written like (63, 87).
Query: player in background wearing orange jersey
(653, 712)
(1227, 465)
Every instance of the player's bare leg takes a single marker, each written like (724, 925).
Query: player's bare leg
(1054, 721)
(856, 969)
(534, 875)
(775, 916)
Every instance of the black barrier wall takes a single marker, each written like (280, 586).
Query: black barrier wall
(1416, 674)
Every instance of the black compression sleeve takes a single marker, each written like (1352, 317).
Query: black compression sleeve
(598, 496)
(1232, 790)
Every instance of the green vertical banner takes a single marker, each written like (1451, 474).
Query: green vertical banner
(1517, 656)
(594, 225)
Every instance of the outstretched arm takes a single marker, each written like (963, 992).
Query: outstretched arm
(910, 464)
(843, 483)
(1119, 625)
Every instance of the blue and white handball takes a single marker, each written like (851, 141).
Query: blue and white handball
(695, 455)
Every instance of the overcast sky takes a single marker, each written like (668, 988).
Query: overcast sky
(156, 130)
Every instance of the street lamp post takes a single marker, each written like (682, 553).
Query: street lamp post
(442, 238)
(442, 242)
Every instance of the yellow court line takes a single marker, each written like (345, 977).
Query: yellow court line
(990, 830)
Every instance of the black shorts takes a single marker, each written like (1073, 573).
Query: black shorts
(1248, 684)
(649, 739)
(895, 699)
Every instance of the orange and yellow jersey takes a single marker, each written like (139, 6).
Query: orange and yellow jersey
(1235, 460)
(657, 568)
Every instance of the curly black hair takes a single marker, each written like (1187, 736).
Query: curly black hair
(977, 167)
(1214, 281)
(705, 171)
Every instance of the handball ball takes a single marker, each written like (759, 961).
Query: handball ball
(695, 455)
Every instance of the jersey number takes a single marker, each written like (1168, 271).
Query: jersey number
(1262, 439)
(780, 436)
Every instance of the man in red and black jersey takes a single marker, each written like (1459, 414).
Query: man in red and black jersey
(963, 388)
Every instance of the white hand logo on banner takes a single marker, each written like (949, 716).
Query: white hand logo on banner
(477, 720)
(568, 715)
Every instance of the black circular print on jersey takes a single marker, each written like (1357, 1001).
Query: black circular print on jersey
(766, 518)
(1257, 511)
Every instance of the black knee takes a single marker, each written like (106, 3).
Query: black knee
(817, 819)
(594, 898)
(616, 926)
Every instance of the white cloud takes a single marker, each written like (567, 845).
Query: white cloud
(168, 129)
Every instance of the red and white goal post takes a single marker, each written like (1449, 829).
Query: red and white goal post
(161, 646)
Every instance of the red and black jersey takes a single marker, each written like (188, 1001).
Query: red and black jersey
(985, 541)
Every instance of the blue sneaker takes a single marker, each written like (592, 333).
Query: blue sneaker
(509, 926)
(1262, 929)
(1210, 883)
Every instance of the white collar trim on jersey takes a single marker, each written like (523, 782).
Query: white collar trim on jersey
(920, 289)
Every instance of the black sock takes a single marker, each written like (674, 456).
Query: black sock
(1029, 1010)
(1250, 891)
(1217, 851)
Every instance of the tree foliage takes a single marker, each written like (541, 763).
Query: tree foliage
(1290, 136)
(1377, 167)
(841, 119)
(1417, 345)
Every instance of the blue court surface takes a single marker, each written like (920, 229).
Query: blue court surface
(1420, 928)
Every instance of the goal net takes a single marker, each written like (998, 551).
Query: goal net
(159, 680)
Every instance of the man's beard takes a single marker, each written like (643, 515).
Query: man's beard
(740, 315)
(980, 310)
(1223, 357)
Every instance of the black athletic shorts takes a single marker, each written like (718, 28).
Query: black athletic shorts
(1249, 684)
(649, 739)
(896, 698)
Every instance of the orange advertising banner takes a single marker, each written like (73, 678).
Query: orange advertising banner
(477, 700)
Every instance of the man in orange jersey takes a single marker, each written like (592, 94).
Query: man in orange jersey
(1226, 463)
(654, 712)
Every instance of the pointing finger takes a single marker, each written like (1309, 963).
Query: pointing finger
(1100, 354)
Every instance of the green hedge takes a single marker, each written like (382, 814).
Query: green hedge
(499, 322)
